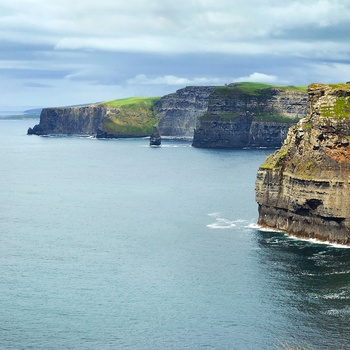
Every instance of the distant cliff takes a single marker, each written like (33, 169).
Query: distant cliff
(238, 115)
(69, 121)
(131, 117)
(304, 188)
(249, 115)
(178, 112)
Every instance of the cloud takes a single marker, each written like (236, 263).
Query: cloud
(142, 79)
(164, 26)
(328, 72)
(87, 48)
(258, 77)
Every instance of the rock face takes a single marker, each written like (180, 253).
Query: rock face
(249, 115)
(304, 188)
(70, 121)
(178, 112)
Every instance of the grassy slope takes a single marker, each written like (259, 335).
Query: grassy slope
(131, 116)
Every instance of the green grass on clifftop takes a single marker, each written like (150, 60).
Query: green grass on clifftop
(257, 89)
(131, 102)
(134, 116)
(251, 100)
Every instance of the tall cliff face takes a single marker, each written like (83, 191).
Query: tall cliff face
(249, 115)
(71, 120)
(304, 188)
(178, 112)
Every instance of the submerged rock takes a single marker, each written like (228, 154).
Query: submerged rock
(304, 187)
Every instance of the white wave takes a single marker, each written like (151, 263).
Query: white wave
(332, 296)
(310, 240)
(216, 214)
(240, 221)
(316, 241)
(335, 296)
(313, 274)
(265, 229)
(254, 226)
(222, 223)
(338, 312)
(175, 146)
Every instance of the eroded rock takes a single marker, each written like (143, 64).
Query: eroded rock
(304, 187)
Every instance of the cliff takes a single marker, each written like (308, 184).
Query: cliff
(131, 117)
(238, 115)
(304, 188)
(249, 115)
(70, 120)
(178, 112)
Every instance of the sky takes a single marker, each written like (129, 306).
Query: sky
(66, 52)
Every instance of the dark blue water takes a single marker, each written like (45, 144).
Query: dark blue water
(117, 245)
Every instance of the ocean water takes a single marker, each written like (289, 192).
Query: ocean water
(112, 244)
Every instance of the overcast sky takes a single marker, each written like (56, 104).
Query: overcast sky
(64, 52)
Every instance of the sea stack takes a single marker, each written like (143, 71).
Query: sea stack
(304, 187)
(155, 138)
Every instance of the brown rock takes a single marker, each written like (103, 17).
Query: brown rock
(304, 188)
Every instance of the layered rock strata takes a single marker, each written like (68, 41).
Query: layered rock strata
(304, 187)
(178, 112)
(249, 115)
(85, 120)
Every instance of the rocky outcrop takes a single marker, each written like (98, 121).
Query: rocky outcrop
(178, 112)
(304, 188)
(249, 115)
(155, 138)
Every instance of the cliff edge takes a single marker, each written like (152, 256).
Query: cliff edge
(304, 187)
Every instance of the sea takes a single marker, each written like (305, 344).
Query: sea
(113, 244)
